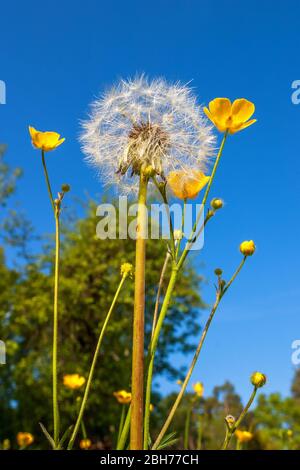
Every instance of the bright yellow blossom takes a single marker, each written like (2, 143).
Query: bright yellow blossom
(85, 444)
(243, 436)
(230, 117)
(127, 269)
(247, 248)
(73, 381)
(258, 379)
(198, 389)
(24, 439)
(187, 184)
(122, 396)
(45, 141)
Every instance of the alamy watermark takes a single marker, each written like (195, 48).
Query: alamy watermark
(296, 354)
(121, 222)
(2, 92)
(295, 97)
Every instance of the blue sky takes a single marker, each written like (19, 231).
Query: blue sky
(57, 56)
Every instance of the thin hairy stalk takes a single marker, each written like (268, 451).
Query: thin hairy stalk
(137, 382)
(182, 228)
(160, 285)
(92, 369)
(187, 427)
(56, 211)
(231, 430)
(162, 190)
(219, 296)
(55, 329)
(48, 181)
(206, 194)
(175, 269)
(125, 431)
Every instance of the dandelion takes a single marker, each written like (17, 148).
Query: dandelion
(229, 117)
(247, 248)
(142, 123)
(45, 141)
(123, 396)
(73, 381)
(186, 184)
(24, 439)
(198, 389)
(85, 444)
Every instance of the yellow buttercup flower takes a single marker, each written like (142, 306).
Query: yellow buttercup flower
(198, 389)
(258, 379)
(45, 141)
(85, 444)
(243, 436)
(73, 381)
(122, 396)
(231, 117)
(24, 439)
(127, 269)
(186, 184)
(247, 248)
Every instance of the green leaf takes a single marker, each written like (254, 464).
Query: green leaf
(49, 438)
(168, 441)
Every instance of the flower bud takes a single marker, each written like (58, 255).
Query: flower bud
(230, 420)
(218, 272)
(258, 379)
(247, 248)
(217, 203)
(65, 188)
(178, 234)
(126, 269)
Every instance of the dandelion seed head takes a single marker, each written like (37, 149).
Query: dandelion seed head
(141, 122)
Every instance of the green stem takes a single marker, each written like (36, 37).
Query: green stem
(56, 210)
(92, 369)
(121, 425)
(173, 410)
(152, 350)
(48, 181)
(199, 432)
(137, 382)
(206, 194)
(124, 434)
(230, 431)
(187, 428)
(55, 329)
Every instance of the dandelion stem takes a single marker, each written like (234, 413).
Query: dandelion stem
(231, 430)
(92, 369)
(173, 410)
(137, 401)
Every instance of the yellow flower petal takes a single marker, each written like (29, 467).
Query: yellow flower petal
(242, 110)
(220, 109)
(242, 126)
(187, 184)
